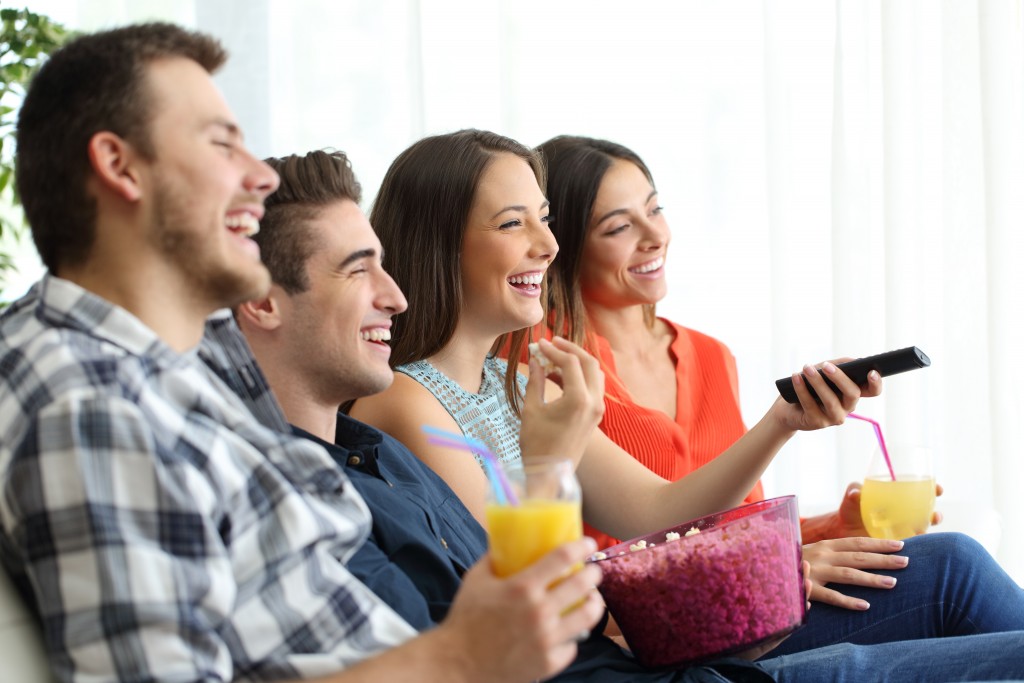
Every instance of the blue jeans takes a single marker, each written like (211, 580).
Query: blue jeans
(950, 587)
(982, 657)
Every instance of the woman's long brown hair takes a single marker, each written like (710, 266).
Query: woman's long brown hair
(420, 215)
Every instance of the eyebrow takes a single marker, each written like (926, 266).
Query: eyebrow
(357, 256)
(519, 208)
(230, 127)
(617, 212)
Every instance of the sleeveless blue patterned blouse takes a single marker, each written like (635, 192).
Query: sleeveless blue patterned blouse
(485, 416)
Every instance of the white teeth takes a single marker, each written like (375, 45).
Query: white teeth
(376, 335)
(533, 279)
(649, 267)
(244, 223)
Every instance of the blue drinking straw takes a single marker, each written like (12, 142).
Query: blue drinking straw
(503, 492)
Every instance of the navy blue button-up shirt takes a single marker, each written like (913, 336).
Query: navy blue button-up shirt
(419, 524)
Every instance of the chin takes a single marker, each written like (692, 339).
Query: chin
(254, 285)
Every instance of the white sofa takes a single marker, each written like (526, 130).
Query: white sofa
(21, 647)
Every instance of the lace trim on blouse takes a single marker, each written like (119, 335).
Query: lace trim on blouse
(485, 416)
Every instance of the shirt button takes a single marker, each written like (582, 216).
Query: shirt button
(354, 460)
(444, 544)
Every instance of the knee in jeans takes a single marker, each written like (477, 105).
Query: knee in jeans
(953, 545)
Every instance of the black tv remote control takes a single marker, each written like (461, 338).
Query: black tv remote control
(889, 363)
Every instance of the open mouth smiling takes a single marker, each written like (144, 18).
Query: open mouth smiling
(243, 224)
(648, 267)
(526, 282)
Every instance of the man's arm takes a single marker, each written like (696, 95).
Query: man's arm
(501, 630)
(129, 573)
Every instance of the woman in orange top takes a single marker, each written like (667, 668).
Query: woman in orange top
(603, 287)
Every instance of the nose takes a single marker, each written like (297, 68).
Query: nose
(655, 234)
(390, 297)
(544, 246)
(260, 179)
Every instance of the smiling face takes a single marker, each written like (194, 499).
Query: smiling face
(339, 328)
(623, 260)
(206, 189)
(506, 249)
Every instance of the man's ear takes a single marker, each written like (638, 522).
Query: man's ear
(264, 314)
(113, 160)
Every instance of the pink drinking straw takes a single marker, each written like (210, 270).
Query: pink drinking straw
(503, 492)
(881, 441)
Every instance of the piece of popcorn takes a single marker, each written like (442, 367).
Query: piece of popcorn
(598, 556)
(693, 530)
(672, 536)
(639, 545)
(546, 365)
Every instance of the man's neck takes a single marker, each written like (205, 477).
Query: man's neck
(175, 317)
(301, 408)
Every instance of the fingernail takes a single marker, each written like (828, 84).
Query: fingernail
(874, 375)
(809, 370)
(889, 581)
(798, 379)
(902, 560)
(895, 545)
(863, 604)
(829, 368)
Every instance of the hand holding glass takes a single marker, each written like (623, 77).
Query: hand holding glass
(901, 508)
(547, 515)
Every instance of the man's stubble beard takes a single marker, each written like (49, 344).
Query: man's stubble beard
(182, 238)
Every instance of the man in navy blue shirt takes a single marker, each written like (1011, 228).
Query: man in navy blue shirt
(321, 338)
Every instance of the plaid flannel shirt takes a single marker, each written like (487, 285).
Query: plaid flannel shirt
(162, 531)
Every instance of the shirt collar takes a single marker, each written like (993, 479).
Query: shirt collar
(65, 304)
(351, 438)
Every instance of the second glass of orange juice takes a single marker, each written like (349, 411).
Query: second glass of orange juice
(547, 514)
(901, 508)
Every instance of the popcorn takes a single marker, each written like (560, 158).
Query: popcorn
(545, 364)
(722, 589)
(598, 556)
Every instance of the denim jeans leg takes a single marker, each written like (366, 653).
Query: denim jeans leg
(982, 657)
(950, 587)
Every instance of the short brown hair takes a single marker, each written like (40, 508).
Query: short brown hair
(420, 215)
(308, 183)
(94, 83)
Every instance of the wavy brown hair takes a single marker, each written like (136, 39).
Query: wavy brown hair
(420, 215)
(575, 167)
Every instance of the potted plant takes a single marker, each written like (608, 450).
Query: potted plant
(26, 40)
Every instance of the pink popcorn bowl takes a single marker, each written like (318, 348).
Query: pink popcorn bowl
(735, 584)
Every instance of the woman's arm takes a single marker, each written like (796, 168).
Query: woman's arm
(625, 499)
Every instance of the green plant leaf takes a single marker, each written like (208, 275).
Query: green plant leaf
(26, 40)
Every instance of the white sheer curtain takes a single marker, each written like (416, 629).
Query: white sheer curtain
(842, 178)
(922, 241)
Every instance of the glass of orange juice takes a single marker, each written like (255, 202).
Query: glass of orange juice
(901, 508)
(547, 514)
